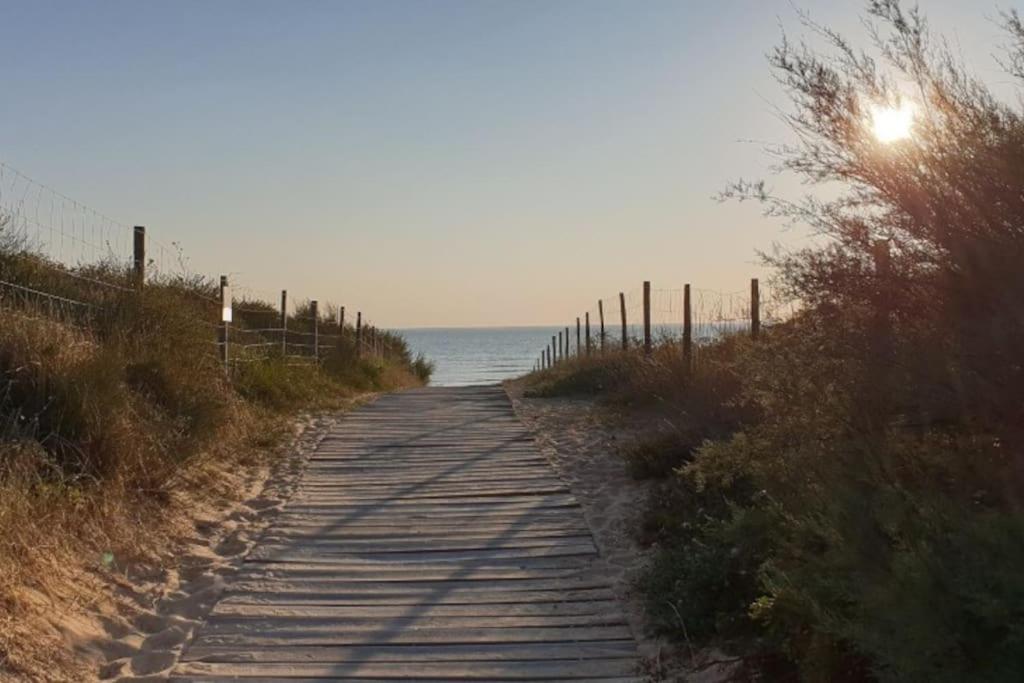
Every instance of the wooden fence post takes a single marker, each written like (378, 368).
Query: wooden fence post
(549, 357)
(561, 352)
(359, 333)
(587, 315)
(687, 327)
(341, 321)
(647, 317)
(579, 338)
(622, 309)
(755, 309)
(600, 315)
(225, 319)
(568, 351)
(284, 323)
(554, 350)
(139, 255)
(316, 328)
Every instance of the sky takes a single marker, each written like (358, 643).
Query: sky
(429, 162)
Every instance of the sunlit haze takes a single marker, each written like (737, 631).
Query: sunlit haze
(890, 124)
(429, 163)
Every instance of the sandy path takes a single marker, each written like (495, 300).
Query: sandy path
(159, 608)
(584, 442)
(427, 538)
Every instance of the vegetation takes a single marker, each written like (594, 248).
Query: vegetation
(847, 498)
(117, 419)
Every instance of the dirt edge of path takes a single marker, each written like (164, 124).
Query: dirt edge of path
(584, 443)
(149, 611)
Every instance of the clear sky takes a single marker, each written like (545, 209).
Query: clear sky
(429, 162)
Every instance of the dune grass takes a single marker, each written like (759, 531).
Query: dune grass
(116, 422)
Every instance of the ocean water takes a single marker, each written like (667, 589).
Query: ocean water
(465, 356)
(478, 355)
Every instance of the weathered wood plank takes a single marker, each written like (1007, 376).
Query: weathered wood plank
(450, 597)
(594, 650)
(507, 670)
(426, 610)
(426, 539)
(402, 635)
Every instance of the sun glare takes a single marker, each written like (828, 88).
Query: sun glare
(890, 124)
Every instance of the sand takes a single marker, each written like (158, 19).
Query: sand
(159, 608)
(584, 442)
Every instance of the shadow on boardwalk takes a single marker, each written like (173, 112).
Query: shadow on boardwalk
(428, 538)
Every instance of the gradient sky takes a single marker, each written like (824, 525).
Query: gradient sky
(429, 162)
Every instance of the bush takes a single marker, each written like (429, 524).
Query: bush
(855, 500)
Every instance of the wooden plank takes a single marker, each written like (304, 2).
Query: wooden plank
(427, 539)
(289, 554)
(388, 531)
(426, 610)
(404, 587)
(296, 596)
(376, 679)
(305, 625)
(507, 670)
(398, 636)
(613, 649)
(402, 573)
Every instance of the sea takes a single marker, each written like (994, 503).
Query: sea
(465, 356)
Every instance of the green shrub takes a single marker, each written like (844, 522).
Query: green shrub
(658, 456)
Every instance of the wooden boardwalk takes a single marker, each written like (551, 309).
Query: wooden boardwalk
(427, 540)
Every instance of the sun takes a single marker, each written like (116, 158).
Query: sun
(891, 124)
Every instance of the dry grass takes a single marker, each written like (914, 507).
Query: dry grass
(111, 440)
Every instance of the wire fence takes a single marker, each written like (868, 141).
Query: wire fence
(689, 317)
(65, 261)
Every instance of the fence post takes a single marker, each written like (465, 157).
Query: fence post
(316, 328)
(755, 309)
(554, 350)
(139, 255)
(600, 315)
(549, 357)
(579, 338)
(341, 321)
(359, 333)
(622, 309)
(561, 352)
(225, 319)
(284, 323)
(687, 327)
(587, 317)
(647, 317)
